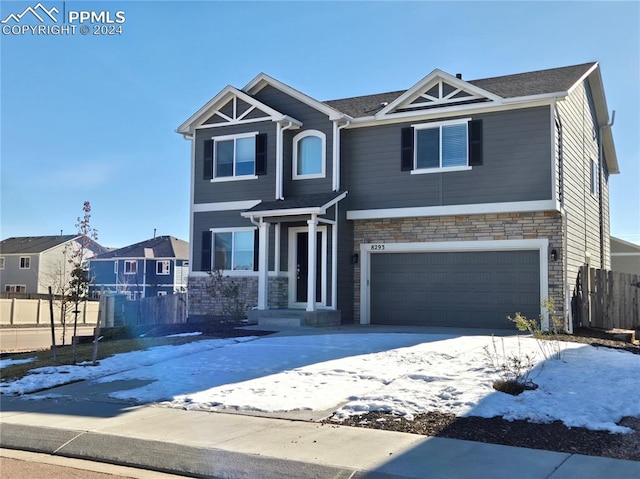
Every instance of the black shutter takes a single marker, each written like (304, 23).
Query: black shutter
(256, 243)
(406, 163)
(261, 154)
(208, 159)
(205, 261)
(475, 143)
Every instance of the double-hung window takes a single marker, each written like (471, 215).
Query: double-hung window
(229, 249)
(162, 267)
(442, 146)
(235, 157)
(130, 266)
(25, 262)
(309, 155)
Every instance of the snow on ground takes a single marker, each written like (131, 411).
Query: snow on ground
(5, 363)
(401, 373)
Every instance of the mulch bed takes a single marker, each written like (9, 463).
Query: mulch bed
(553, 436)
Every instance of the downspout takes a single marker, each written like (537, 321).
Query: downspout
(600, 170)
(280, 158)
(568, 320)
(336, 153)
(191, 200)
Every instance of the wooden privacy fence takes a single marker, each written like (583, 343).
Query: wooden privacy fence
(607, 299)
(116, 310)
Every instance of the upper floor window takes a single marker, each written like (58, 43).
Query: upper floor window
(15, 288)
(309, 155)
(25, 262)
(1, 263)
(439, 146)
(235, 157)
(130, 266)
(234, 250)
(162, 267)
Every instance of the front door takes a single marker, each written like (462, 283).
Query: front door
(299, 266)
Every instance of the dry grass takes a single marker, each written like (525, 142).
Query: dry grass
(85, 353)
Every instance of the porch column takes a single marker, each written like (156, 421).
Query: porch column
(312, 264)
(263, 265)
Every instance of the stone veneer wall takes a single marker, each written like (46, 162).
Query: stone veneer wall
(202, 303)
(487, 227)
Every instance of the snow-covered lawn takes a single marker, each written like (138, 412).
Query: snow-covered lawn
(401, 373)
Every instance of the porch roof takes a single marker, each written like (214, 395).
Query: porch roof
(296, 205)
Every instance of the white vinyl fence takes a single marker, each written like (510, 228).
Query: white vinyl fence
(34, 312)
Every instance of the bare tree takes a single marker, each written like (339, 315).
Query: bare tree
(80, 280)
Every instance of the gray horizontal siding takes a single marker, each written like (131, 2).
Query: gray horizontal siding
(517, 166)
(312, 119)
(262, 188)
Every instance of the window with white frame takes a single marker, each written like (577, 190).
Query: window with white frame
(162, 267)
(442, 146)
(235, 155)
(1, 263)
(309, 155)
(162, 293)
(234, 249)
(25, 262)
(115, 267)
(130, 266)
(15, 288)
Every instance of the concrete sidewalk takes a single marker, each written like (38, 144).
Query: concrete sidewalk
(221, 445)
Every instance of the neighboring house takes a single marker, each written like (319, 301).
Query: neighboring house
(451, 203)
(154, 267)
(30, 264)
(625, 256)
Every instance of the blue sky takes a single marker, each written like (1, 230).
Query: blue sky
(92, 118)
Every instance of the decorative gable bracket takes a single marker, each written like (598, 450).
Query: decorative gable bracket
(232, 107)
(437, 90)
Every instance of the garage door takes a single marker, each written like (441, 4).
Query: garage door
(464, 289)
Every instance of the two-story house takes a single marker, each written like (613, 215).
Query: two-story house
(155, 267)
(32, 264)
(452, 203)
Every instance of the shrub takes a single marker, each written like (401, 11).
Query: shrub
(548, 341)
(514, 369)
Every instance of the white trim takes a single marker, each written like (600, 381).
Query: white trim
(292, 270)
(625, 254)
(367, 249)
(262, 80)
(224, 179)
(472, 209)
(28, 262)
(224, 206)
(242, 122)
(323, 145)
(317, 210)
(433, 78)
(438, 124)
(437, 113)
(232, 229)
(442, 169)
(233, 137)
(238, 274)
(222, 98)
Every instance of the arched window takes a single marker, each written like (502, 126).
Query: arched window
(309, 155)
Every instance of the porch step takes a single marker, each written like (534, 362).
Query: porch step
(280, 322)
(294, 317)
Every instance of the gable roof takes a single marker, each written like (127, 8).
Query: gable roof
(541, 82)
(316, 203)
(228, 94)
(159, 247)
(262, 80)
(40, 244)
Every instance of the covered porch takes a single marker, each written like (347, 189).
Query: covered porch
(306, 230)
